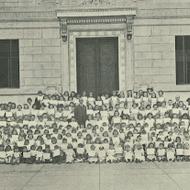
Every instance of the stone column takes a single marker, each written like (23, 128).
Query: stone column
(64, 56)
(129, 53)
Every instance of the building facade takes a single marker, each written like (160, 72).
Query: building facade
(40, 37)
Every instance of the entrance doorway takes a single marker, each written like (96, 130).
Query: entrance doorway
(97, 65)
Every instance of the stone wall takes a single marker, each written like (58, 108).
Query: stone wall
(34, 23)
(155, 28)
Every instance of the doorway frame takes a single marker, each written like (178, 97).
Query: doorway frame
(94, 22)
(96, 34)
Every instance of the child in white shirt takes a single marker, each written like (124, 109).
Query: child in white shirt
(39, 154)
(9, 155)
(151, 152)
(161, 153)
(111, 154)
(47, 158)
(186, 151)
(80, 153)
(70, 154)
(128, 154)
(170, 152)
(57, 156)
(2, 154)
(116, 118)
(92, 156)
(101, 154)
(179, 152)
(16, 156)
(139, 153)
(26, 157)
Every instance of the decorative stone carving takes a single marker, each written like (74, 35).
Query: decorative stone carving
(95, 2)
(63, 29)
(129, 26)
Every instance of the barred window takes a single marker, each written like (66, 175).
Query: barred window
(182, 47)
(9, 64)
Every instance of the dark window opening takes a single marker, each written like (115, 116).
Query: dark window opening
(9, 64)
(182, 47)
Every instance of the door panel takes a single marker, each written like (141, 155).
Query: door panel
(97, 65)
(108, 65)
(86, 65)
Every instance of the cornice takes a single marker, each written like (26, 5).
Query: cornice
(95, 12)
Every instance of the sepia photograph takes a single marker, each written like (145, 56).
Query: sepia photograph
(94, 94)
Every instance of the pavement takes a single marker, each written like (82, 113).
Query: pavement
(120, 176)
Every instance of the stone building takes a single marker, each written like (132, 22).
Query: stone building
(95, 45)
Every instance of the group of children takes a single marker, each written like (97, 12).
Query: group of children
(122, 127)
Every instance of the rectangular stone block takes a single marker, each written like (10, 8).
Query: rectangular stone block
(141, 40)
(25, 43)
(155, 71)
(53, 73)
(55, 58)
(41, 58)
(163, 47)
(142, 47)
(50, 65)
(168, 55)
(164, 63)
(32, 50)
(143, 63)
(162, 39)
(32, 33)
(33, 81)
(164, 79)
(142, 31)
(148, 55)
(52, 81)
(51, 50)
(30, 66)
(51, 33)
(47, 42)
(25, 58)
(11, 33)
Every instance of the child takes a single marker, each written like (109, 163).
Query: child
(33, 153)
(2, 154)
(9, 155)
(151, 152)
(80, 152)
(115, 137)
(47, 155)
(110, 154)
(179, 152)
(139, 153)
(128, 154)
(16, 156)
(114, 99)
(39, 155)
(102, 155)
(26, 158)
(186, 152)
(170, 153)
(91, 99)
(116, 118)
(161, 152)
(161, 97)
(56, 155)
(70, 154)
(92, 156)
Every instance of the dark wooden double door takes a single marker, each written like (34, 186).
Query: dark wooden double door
(97, 65)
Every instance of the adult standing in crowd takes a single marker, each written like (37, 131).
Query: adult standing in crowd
(80, 113)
